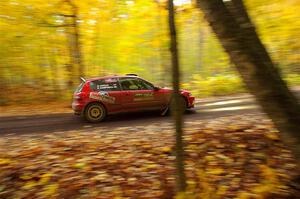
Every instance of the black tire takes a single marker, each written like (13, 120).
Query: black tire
(95, 112)
(182, 104)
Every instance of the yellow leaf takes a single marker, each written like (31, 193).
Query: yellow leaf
(241, 145)
(4, 161)
(27, 176)
(166, 149)
(246, 195)
(209, 158)
(30, 184)
(216, 171)
(50, 190)
(272, 136)
(151, 166)
(45, 178)
(79, 165)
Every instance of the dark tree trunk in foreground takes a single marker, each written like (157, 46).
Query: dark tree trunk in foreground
(237, 34)
(181, 184)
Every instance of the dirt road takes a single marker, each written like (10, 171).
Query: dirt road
(205, 109)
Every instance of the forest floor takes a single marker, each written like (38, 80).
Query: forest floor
(232, 151)
(228, 157)
(35, 109)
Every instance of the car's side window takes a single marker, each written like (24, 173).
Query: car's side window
(145, 85)
(110, 84)
(128, 84)
(134, 84)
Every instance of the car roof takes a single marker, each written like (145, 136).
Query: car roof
(111, 76)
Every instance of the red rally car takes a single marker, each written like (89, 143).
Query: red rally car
(97, 97)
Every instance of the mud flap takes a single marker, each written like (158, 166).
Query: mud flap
(165, 111)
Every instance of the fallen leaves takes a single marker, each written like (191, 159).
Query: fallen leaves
(4, 161)
(233, 157)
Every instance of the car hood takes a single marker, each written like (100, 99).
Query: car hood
(182, 91)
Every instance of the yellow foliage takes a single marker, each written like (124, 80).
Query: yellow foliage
(215, 171)
(45, 178)
(50, 190)
(30, 184)
(166, 149)
(5, 161)
(26, 176)
(210, 86)
(207, 190)
(270, 184)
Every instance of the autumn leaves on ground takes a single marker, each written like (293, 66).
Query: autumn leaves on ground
(230, 157)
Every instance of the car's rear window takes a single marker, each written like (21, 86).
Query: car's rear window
(110, 84)
(79, 88)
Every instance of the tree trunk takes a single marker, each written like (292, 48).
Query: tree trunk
(181, 184)
(4, 85)
(237, 34)
(164, 63)
(202, 37)
(98, 57)
(75, 47)
(54, 71)
(71, 67)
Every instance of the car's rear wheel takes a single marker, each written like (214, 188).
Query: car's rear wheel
(95, 112)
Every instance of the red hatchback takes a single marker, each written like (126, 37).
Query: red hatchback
(95, 98)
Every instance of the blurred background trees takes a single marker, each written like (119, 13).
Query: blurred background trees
(47, 45)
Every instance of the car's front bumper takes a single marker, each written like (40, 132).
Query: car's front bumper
(191, 101)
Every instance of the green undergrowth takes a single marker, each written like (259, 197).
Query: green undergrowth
(225, 85)
(214, 86)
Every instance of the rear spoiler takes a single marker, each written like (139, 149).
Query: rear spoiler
(82, 79)
(130, 74)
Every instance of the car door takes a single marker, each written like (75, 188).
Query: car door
(108, 92)
(137, 95)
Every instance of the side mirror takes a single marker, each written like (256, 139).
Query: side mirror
(156, 88)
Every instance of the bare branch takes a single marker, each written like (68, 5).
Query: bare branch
(56, 26)
(64, 15)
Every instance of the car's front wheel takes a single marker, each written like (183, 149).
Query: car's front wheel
(182, 106)
(95, 112)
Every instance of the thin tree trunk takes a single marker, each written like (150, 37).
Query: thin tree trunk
(181, 184)
(163, 50)
(202, 37)
(236, 33)
(72, 65)
(4, 84)
(75, 47)
(54, 71)
(98, 50)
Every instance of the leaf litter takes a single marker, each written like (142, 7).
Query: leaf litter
(229, 157)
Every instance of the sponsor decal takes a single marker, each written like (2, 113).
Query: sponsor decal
(107, 86)
(143, 96)
(112, 80)
(102, 96)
